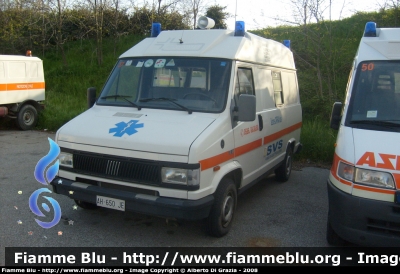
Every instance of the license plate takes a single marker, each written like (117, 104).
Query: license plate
(110, 203)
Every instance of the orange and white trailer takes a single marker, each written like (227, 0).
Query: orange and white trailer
(22, 89)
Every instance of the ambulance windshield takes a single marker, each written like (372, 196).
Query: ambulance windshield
(178, 83)
(375, 100)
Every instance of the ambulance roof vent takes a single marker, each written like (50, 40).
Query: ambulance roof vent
(287, 43)
(239, 28)
(155, 29)
(370, 29)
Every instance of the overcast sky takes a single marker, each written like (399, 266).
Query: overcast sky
(262, 13)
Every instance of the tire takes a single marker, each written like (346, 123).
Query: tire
(332, 237)
(222, 212)
(27, 117)
(85, 205)
(283, 172)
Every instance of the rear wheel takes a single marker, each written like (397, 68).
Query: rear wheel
(283, 172)
(27, 117)
(85, 205)
(222, 212)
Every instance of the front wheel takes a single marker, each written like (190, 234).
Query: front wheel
(222, 212)
(27, 117)
(283, 172)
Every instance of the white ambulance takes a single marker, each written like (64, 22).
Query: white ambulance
(22, 89)
(364, 181)
(186, 120)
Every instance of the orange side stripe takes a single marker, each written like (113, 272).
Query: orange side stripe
(248, 147)
(221, 158)
(21, 86)
(216, 160)
(378, 190)
(272, 137)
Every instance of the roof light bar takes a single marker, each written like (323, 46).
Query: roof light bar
(239, 28)
(370, 29)
(155, 29)
(286, 43)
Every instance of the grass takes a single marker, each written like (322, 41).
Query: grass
(318, 141)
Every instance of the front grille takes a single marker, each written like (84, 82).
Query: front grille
(118, 168)
(391, 228)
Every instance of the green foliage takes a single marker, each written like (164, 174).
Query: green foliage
(323, 54)
(66, 86)
(217, 13)
(318, 141)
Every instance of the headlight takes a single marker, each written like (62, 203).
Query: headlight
(365, 176)
(66, 159)
(189, 177)
(346, 171)
(374, 178)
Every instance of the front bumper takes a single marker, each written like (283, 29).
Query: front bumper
(364, 221)
(135, 202)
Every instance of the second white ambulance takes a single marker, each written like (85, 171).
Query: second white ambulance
(364, 181)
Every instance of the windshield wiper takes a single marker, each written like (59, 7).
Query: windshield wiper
(166, 99)
(377, 123)
(123, 97)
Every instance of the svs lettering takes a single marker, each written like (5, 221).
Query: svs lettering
(274, 147)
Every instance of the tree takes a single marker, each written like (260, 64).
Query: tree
(395, 6)
(58, 11)
(191, 9)
(217, 13)
(98, 7)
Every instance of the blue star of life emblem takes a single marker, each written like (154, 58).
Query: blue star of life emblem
(128, 128)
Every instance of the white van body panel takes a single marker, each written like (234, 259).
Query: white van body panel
(214, 43)
(153, 131)
(21, 79)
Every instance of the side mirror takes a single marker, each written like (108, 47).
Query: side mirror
(336, 115)
(247, 108)
(91, 97)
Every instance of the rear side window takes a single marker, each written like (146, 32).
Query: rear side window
(278, 90)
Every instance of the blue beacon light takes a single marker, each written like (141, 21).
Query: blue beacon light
(155, 29)
(287, 43)
(370, 29)
(239, 28)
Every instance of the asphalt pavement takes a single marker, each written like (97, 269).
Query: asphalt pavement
(270, 214)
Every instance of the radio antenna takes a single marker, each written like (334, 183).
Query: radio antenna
(235, 11)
